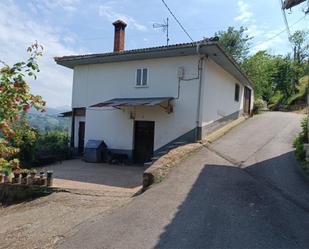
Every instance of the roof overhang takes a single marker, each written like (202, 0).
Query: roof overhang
(212, 49)
(81, 111)
(72, 61)
(125, 102)
(291, 3)
(217, 54)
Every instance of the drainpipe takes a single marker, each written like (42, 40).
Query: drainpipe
(199, 112)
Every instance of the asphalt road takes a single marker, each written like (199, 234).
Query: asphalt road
(245, 191)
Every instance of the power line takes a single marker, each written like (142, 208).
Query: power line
(181, 26)
(276, 35)
(285, 20)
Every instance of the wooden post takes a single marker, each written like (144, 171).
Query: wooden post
(72, 128)
(308, 100)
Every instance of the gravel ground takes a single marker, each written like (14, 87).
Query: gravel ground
(43, 222)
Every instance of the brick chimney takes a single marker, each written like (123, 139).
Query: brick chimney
(120, 27)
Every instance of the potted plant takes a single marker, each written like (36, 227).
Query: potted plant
(24, 174)
(16, 173)
(42, 174)
(33, 173)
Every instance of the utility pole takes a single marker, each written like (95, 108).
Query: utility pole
(288, 4)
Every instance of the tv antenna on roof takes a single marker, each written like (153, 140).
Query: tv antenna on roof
(164, 26)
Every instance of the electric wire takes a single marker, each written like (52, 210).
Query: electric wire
(176, 19)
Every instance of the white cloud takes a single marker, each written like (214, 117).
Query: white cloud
(108, 12)
(244, 12)
(269, 40)
(264, 36)
(18, 30)
(51, 5)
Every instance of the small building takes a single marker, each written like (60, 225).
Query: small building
(141, 101)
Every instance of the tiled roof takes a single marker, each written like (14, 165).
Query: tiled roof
(137, 51)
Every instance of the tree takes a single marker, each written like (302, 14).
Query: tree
(259, 69)
(300, 53)
(236, 42)
(15, 99)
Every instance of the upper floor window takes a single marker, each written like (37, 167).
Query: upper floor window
(142, 77)
(237, 92)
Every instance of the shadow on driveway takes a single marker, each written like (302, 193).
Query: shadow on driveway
(77, 171)
(229, 207)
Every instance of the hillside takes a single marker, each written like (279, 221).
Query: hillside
(49, 120)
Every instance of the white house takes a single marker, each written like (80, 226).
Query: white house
(140, 101)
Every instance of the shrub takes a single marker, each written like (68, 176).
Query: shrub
(259, 105)
(298, 144)
(299, 149)
(47, 147)
(53, 144)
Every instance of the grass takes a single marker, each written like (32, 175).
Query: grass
(298, 144)
(301, 92)
(278, 101)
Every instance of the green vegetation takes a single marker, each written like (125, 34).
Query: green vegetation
(48, 122)
(258, 106)
(47, 147)
(236, 42)
(279, 80)
(16, 100)
(299, 141)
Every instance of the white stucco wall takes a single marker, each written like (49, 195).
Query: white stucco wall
(93, 84)
(97, 83)
(219, 93)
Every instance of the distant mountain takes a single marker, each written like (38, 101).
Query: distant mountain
(50, 110)
(49, 120)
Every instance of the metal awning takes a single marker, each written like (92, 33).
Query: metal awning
(121, 102)
(163, 102)
(291, 3)
(80, 111)
(65, 114)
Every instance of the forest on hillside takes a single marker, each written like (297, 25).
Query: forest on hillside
(279, 80)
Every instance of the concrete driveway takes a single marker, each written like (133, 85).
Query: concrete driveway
(77, 174)
(91, 190)
(245, 191)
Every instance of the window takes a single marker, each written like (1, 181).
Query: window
(142, 77)
(237, 90)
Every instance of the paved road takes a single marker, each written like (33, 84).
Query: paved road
(245, 191)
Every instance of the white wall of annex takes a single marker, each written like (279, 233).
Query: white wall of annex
(219, 93)
(111, 125)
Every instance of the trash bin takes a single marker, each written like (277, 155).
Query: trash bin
(94, 151)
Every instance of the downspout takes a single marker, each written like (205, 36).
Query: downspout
(198, 130)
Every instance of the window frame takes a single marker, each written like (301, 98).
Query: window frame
(142, 76)
(237, 93)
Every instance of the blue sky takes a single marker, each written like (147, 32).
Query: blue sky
(67, 27)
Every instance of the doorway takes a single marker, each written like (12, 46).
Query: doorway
(143, 141)
(247, 100)
(81, 137)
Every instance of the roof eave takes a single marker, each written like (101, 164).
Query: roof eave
(228, 62)
(73, 61)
